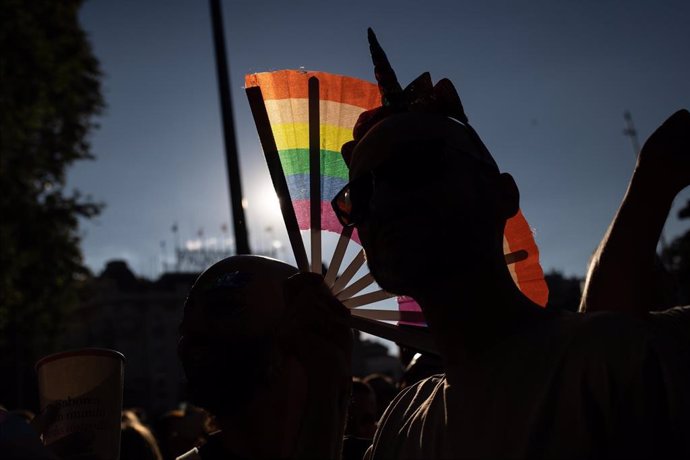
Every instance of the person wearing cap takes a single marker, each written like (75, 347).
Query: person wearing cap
(521, 381)
(267, 352)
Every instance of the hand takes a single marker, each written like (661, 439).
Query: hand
(19, 440)
(317, 328)
(664, 162)
(67, 447)
(317, 333)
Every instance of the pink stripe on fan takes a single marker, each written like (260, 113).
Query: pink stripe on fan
(408, 304)
(329, 221)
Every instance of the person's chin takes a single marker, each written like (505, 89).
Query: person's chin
(398, 277)
(403, 273)
(218, 398)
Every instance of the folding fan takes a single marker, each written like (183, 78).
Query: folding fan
(303, 119)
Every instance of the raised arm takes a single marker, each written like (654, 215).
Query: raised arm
(620, 275)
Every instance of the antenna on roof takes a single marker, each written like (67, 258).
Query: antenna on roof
(631, 132)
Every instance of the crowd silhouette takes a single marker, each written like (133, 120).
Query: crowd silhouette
(267, 350)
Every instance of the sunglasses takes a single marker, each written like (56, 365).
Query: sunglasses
(409, 167)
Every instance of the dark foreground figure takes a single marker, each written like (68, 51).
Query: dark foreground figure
(520, 381)
(268, 351)
(268, 354)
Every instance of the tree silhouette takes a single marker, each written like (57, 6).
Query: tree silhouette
(49, 94)
(564, 292)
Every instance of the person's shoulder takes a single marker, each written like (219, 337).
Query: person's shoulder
(606, 337)
(677, 315)
(410, 399)
(191, 455)
(672, 328)
(211, 450)
(403, 410)
(605, 324)
(420, 391)
(428, 383)
(628, 328)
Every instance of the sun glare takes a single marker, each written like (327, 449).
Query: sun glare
(266, 205)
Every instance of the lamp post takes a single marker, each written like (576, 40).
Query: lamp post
(232, 161)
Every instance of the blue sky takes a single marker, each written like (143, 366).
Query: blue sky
(545, 84)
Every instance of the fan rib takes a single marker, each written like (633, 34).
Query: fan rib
(338, 255)
(355, 287)
(380, 315)
(315, 175)
(366, 299)
(275, 168)
(416, 338)
(349, 272)
(515, 257)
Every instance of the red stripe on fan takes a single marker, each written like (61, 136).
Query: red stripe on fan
(329, 221)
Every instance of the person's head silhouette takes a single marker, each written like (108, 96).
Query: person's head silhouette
(425, 194)
(228, 333)
(268, 354)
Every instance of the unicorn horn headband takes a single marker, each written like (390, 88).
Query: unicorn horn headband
(390, 89)
(419, 96)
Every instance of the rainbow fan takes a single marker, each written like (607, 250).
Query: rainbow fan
(303, 119)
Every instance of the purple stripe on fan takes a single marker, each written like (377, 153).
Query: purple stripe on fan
(415, 318)
(408, 307)
(298, 184)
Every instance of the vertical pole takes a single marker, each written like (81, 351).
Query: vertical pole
(315, 175)
(176, 243)
(275, 168)
(232, 161)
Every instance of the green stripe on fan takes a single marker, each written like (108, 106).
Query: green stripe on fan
(296, 161)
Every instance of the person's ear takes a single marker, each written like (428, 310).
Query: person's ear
(510, 196)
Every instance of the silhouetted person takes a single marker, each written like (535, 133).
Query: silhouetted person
(626, 275)
(385, 389)
(137, 442)
(521, 381)
(178, 431)
(361, 413)
(19, 440)
(624, 271)
(269, 358)
(361, 420)
(422, 366)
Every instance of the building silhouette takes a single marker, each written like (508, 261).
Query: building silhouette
(139, 318)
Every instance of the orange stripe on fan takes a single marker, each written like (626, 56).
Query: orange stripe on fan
(287, 84)
(530, 277)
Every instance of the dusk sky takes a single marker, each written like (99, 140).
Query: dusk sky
(545, 83)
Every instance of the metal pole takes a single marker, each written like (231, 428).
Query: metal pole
(232, 161)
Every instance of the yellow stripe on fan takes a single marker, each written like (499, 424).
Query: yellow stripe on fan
(296, 136)
(295, 110)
